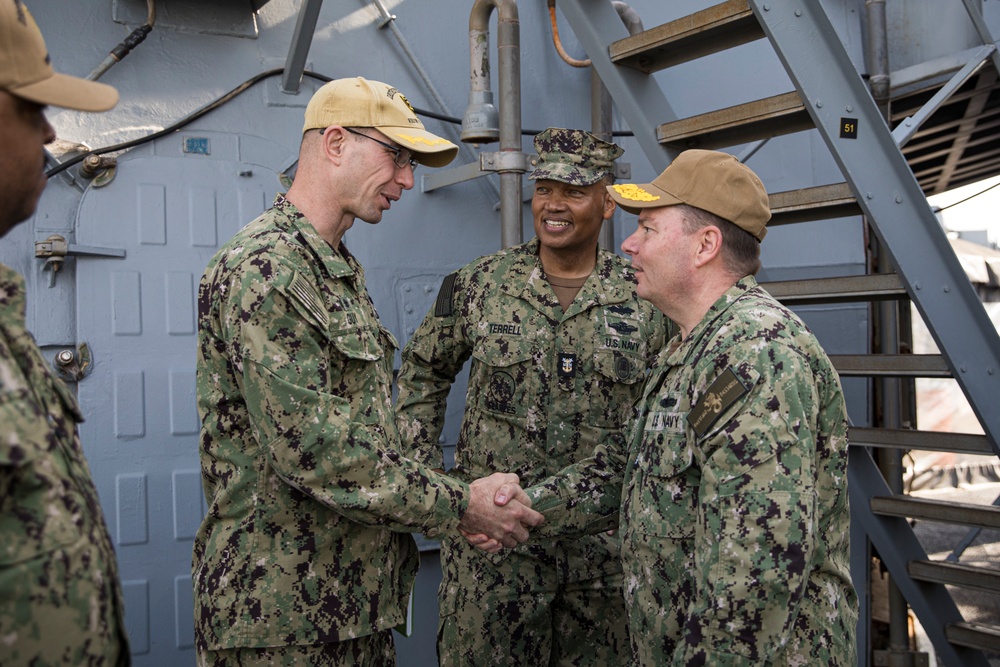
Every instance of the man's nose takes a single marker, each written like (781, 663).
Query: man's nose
(628, 245)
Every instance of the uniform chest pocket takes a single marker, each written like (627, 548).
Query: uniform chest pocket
(359, 344)
(504, 378)
(615, 384)
(664, 493)
(360, 369)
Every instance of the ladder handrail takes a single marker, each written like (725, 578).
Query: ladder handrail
(890, 196)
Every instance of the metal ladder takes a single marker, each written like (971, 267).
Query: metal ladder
(830, 96)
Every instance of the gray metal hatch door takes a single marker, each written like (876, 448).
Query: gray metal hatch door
(169, 209)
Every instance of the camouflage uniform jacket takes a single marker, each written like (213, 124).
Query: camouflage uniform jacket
(299, 449)
(60, 595)
(734, 511)
(545, 386)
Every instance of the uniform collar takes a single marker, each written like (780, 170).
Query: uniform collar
(338, 263)
(677, 352)
(526, 280)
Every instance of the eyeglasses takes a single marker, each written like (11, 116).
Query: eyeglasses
(401, 156)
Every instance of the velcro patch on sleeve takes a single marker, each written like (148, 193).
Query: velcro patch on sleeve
(443, 306)
(726, 390)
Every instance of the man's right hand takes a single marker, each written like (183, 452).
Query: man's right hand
(503, 524)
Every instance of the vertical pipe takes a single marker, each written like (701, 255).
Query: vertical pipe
(877, 53)
(600, 121)
(509, 51)
(887, 319)
(509, 55)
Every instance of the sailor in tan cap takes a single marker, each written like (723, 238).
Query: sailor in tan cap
(304, 556)
(27, 85)
(731, 491)
(60, 597)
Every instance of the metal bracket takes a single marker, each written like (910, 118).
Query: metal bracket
(100, 169)
(73, 365)
(55, 249)
(503, 161)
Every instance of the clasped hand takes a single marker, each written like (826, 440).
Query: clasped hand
(499, 513)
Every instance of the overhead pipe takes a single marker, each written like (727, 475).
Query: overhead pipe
(481, 122)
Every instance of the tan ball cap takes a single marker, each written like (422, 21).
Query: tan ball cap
(710, 180)
(359, 102)
(26, 70)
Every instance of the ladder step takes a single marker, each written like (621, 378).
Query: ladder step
(709, 31)
(761, 119)
(927, 441)
(872, 287)
(891, 365)
(974, 635)
(956, 574)
(984, 516)
(823, 202)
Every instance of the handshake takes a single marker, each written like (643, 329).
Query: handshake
(499, 513)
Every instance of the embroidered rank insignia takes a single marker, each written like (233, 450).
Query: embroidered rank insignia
(567, 365)
(725, 391)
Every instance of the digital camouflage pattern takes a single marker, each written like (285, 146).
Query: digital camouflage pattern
(376, 650)
(308, 494)
(60, 595)
(573, 156)
(734, 542)
(545, 386)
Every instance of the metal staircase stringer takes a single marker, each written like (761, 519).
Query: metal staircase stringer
(975, 12)
(636, 95)
(897, 546)
(860, 142)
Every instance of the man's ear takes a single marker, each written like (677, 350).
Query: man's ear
(609, 205)
(709, 244)
(334, 138)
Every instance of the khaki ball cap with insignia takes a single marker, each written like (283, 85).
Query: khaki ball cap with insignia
(710, 180)
(26, 70)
